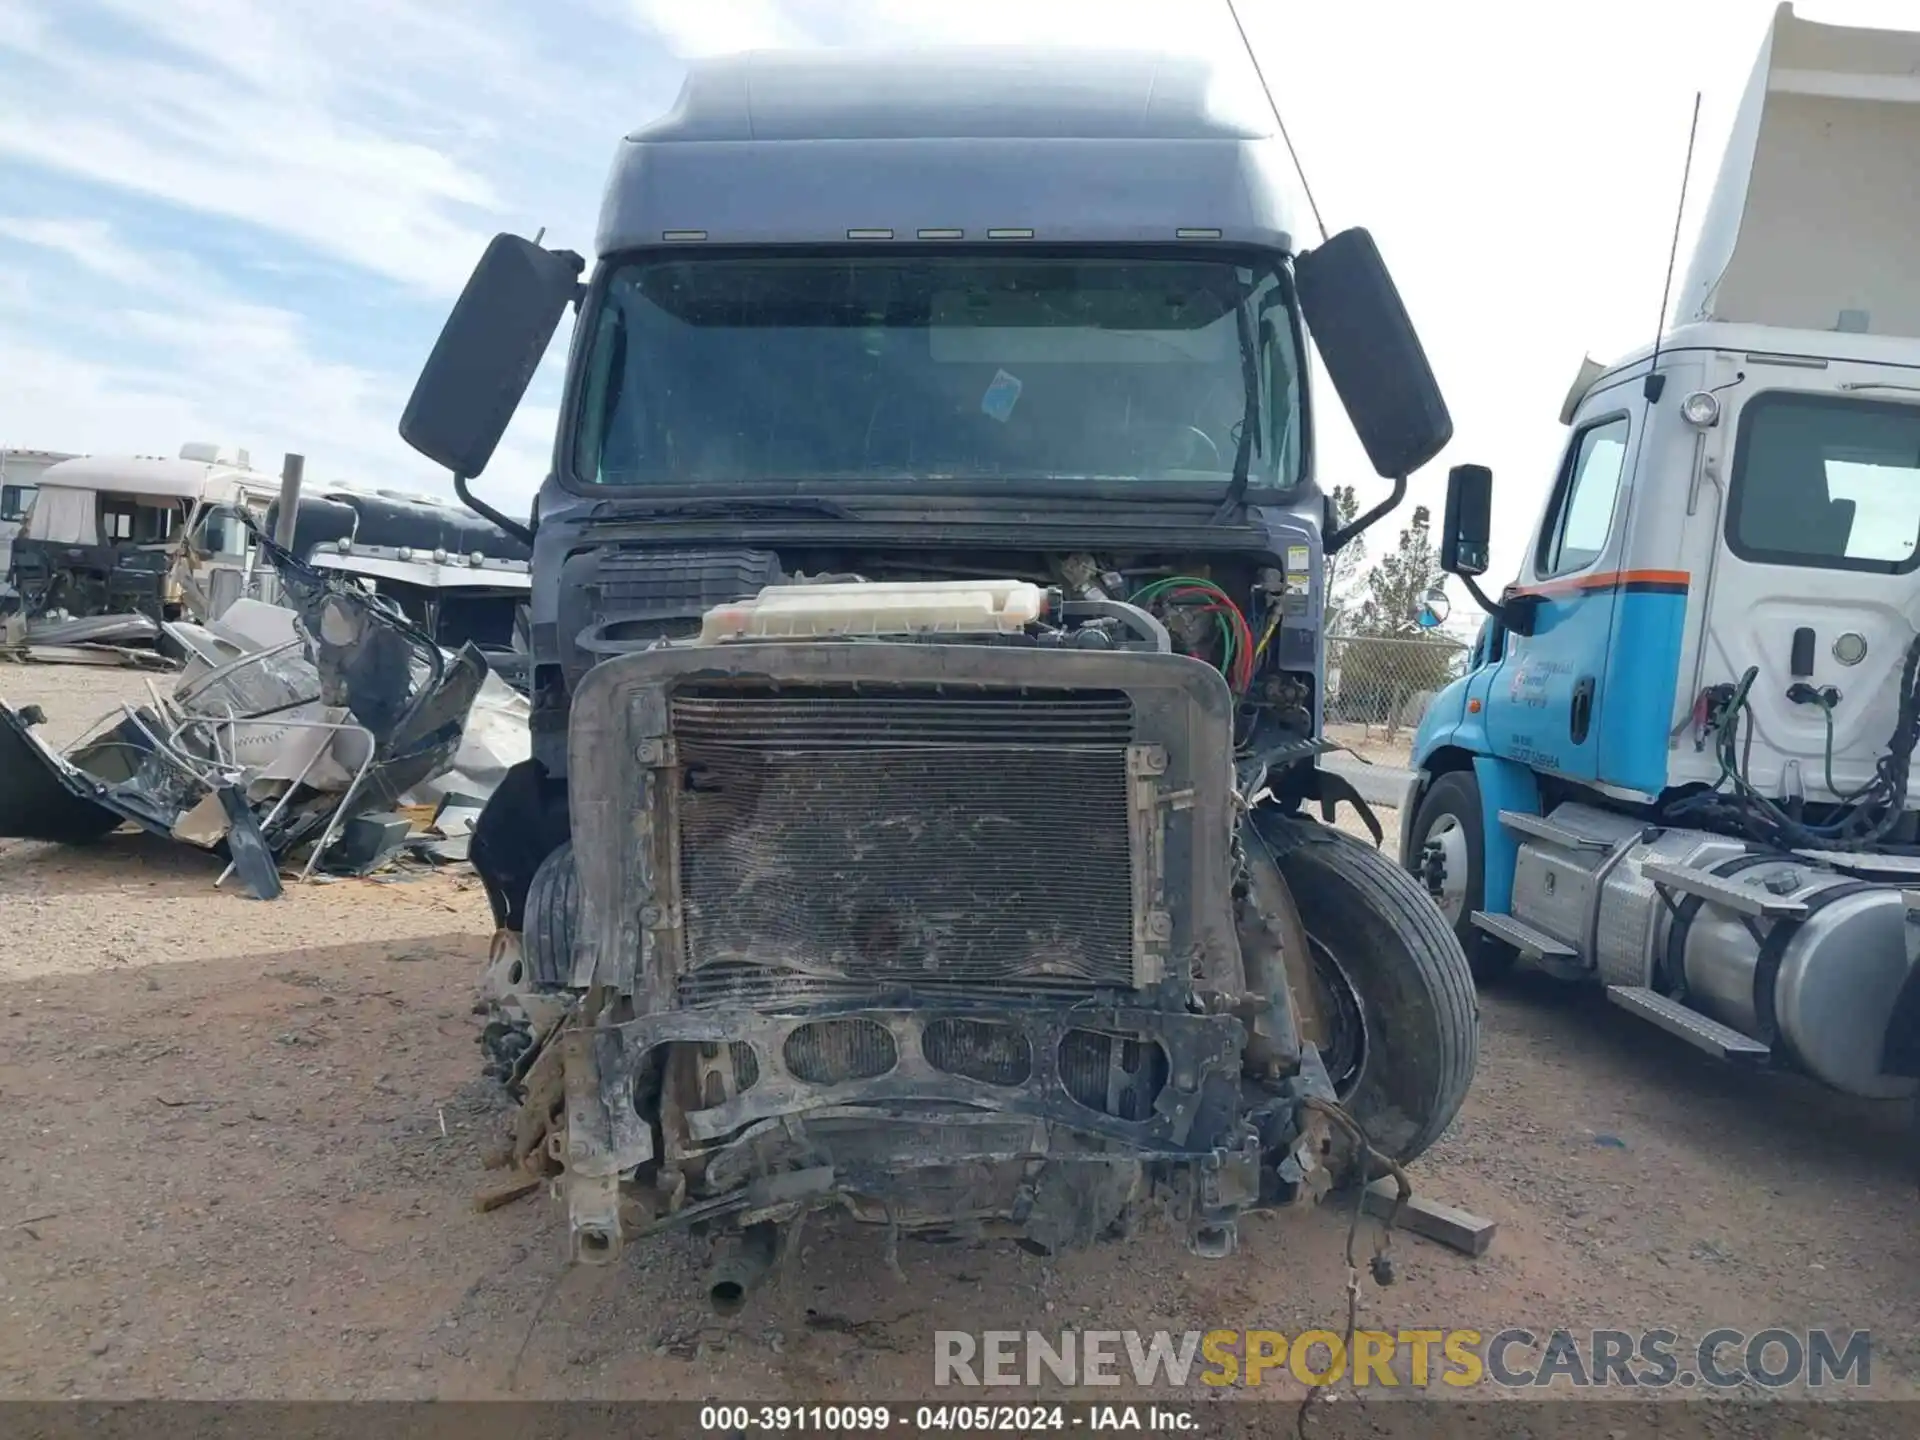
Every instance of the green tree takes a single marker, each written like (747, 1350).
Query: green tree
(1396, 586)
(1391, 659)
(1345, 566)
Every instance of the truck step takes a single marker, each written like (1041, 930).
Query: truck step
(1702, 1032)
(1543, 829)
(1741, 899)
(1532, 943)
(1895, 868)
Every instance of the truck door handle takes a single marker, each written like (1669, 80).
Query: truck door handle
(1580, 712)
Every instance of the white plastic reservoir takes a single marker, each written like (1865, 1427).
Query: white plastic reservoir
(954, 607)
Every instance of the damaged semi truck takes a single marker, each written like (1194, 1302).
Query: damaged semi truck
(927, 658)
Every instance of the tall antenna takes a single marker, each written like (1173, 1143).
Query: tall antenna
(1656, 383)
(1274, 106)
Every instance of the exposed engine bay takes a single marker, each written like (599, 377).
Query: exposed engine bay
(1234, 616)
(951, 894)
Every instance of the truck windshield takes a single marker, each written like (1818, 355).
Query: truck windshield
(1827, 481)
(1011, 370)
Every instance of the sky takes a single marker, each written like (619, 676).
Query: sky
(244, 222)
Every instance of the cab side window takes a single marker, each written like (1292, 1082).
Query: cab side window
(1489, 645)
(1584, 499)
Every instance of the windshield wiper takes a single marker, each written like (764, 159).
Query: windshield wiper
(1249, 421)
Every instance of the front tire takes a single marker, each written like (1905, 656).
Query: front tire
(1393, 979)
(1449, 854)
(552, 920)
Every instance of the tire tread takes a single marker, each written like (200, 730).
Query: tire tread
(553, 910)
(1440, 964)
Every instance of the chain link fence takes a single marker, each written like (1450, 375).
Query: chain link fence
(1379, 687)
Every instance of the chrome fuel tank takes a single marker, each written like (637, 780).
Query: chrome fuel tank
(1824, 984)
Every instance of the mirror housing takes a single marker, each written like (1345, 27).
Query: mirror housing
(1372, 353)
(1467, 530)
(1465, 540)
(487, 352)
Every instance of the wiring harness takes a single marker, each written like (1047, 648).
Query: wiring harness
(1239, 654)
(1866, 816)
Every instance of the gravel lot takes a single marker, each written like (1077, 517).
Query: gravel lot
(243, 1141)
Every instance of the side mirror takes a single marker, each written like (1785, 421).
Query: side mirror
(1467, 529)
(1465, 536)
(1372, 354)
(487, 352)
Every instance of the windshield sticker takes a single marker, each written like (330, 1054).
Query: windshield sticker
(1002, 393)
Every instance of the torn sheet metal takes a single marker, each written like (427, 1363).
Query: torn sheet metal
(497, 737)
(286, 725)
(93, 630)
(88, 640)
(42, 797)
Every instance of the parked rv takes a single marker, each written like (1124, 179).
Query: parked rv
(19, 482)
(139, 533)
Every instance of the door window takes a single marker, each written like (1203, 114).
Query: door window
(1589, 485)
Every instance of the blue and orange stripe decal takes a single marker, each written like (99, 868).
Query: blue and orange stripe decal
(1629, 582)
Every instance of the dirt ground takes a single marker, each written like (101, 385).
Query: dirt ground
(243, 1140)
(1371, 742)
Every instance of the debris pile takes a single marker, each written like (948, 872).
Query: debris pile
(60, 639)
(326, 727)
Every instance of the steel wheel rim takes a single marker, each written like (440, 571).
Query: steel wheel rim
(1345, 1053)
(1451, 836)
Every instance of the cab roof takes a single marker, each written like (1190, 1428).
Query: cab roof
(153, 476)
(968, 93)
(1031, 143)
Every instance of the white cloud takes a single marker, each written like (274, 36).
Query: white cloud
(369, 130)
(1519, 166)
(379, 203)
(90, 244)
(192, 363)
(696, 28)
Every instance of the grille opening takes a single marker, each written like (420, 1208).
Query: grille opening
(725, 1071)
(833, 1052)
(1117, 1075)
(907, 834)
(978, 1050)
(771, 990)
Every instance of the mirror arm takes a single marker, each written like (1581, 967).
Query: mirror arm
(1360, 523)
(1492, 607)
(485, 511)
(1515, 613)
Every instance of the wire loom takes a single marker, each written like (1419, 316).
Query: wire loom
(1239, 654)
(1867, 815)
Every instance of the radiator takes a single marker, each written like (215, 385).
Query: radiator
(873, 837)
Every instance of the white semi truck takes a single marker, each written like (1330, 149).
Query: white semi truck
(1679, 765)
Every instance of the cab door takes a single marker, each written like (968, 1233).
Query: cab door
(217, 556)
(1546, 700)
